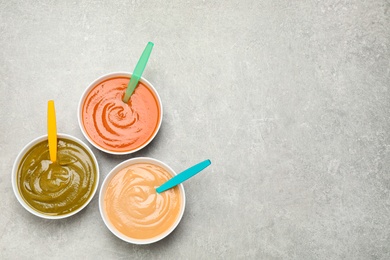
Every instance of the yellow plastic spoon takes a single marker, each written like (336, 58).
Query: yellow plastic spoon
(52, 130)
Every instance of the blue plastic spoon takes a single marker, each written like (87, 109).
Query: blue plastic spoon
(183, 176)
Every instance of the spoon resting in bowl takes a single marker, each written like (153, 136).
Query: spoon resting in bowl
(183, 176)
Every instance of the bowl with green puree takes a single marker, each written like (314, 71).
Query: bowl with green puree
(55, 190)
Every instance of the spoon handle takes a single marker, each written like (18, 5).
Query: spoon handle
(52, 130)
(139, 69)
(183, 176)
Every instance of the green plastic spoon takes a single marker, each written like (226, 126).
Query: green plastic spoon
(183, 176)
(139, 69)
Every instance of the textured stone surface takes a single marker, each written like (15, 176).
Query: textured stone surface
(289, 100)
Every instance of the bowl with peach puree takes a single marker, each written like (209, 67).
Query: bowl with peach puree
(130, 206)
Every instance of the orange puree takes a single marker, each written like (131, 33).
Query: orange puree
(134, 207)
(118, 126)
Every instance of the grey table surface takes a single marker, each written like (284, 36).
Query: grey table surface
(288, 99)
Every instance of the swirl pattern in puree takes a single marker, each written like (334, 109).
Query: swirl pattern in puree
(133, 206)
(118, 126)
(61, 187)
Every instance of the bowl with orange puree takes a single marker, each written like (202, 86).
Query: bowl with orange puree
(55, 190)
(114, 126)
(130, 206)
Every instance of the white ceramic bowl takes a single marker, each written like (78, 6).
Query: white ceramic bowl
(101, 79)
(15, 172)
(103, 188)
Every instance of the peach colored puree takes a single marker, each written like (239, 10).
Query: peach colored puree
(134, 207)
(115, 125)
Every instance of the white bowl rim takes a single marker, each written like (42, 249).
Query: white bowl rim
(108, 178)
(102, 78)
(15, 167)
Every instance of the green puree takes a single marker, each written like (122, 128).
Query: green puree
(61, 187)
